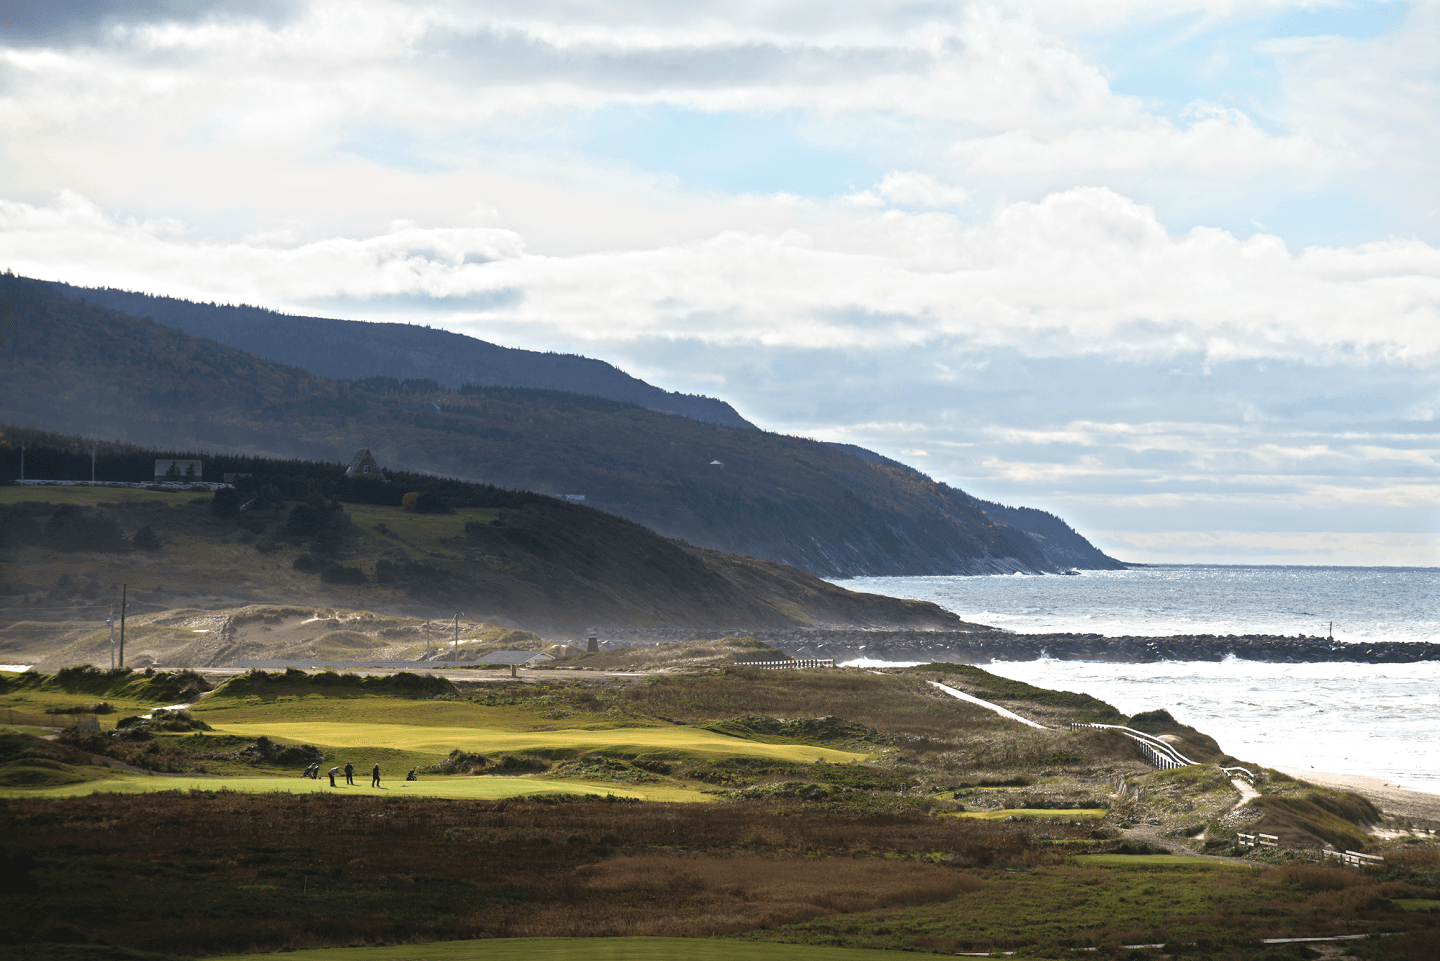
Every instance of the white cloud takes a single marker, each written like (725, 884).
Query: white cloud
(904, 188)
(1081, 272)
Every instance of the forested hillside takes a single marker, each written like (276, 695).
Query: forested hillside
(1063, 545)
(427, 545)
(351, 349)
(81, 368)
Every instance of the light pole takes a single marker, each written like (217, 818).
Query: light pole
(123, 605)
(457, 635)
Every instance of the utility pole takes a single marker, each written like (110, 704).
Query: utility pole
(457, 635)
(123, 589)
(22, 461)
(92, 462)
(110, 622)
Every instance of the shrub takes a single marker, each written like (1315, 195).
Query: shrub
(340, 574)
(428, 503)
(226, 502)
(145, 539)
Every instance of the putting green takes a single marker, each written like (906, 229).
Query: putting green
(687, 741)
(583, 949)
(474, 788)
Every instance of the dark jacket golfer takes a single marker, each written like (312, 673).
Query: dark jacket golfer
(349, 773)
(331, 772)
(375, 775)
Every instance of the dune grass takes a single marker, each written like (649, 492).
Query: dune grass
(581, 949)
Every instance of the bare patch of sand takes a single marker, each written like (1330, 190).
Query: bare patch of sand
(1419, 806)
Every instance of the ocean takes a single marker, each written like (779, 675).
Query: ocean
(1381, 720)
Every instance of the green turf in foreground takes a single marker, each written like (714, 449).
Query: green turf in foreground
(472, 788)
(583, 949)
(1417, 904)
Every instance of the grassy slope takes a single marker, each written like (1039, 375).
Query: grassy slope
(77, 367)
(554, 565)
(624, 868)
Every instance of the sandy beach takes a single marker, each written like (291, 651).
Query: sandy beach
(1418, 806)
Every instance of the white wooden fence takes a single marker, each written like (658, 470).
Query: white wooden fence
(1356, 859)
(1157, 752)
(787, 665)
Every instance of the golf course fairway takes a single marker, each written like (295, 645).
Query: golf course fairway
(687, 741)
(479, 788)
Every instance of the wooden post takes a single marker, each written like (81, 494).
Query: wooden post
(123, 589)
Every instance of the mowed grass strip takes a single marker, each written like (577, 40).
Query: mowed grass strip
(581, 949)
(686, 742)
(1151, 861)
(479, 788)
(1029, 813)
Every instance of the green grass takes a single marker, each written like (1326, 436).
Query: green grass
(37, 775)
(578, 949)
(90, 496)
(1030, 813)
(419, 535)
(1417, 904)
(1147, 861)
(392, 785)
(439, 741)
(430, 729)
(30, 694)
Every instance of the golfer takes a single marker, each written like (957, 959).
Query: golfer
(375, 775)
(349, 773)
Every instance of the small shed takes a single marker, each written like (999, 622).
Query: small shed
(363, 464)
(716, 463)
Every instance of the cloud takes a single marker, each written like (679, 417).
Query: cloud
(909, 189)
(1084, 271)
(99, 250)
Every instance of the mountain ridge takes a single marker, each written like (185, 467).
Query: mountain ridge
(79, 367)
(357, 349)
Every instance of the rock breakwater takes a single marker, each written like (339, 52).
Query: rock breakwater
(980, 646)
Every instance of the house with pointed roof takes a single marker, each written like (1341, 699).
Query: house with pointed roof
(363, 464)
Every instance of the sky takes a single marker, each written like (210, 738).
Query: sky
(1169, 269)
